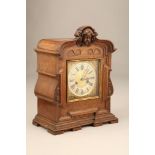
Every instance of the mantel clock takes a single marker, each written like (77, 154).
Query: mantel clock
(74, 86)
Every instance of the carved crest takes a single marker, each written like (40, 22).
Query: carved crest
(85, 35)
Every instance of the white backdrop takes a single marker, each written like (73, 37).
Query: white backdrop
(60, 19)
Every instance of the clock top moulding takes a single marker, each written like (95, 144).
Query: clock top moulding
(54, 112)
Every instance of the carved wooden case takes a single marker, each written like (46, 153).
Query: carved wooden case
(55, 113)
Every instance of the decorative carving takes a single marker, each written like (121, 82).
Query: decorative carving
(90, 51)
(57, 90)
(96, 51)
(85, 35)
(57, 94)
(77, 52)
(74, 52)
(70, 53)
(110, 86)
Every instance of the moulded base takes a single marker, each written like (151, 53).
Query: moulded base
(74, 124)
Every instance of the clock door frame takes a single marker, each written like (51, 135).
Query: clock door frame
(99, 82)
(69, 51)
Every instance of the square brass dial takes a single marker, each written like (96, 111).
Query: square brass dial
(83, 79)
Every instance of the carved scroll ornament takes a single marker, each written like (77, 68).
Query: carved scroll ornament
(110, 85)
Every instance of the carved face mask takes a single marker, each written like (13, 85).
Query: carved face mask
(87, 37)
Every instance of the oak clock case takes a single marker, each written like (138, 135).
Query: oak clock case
(74, 85)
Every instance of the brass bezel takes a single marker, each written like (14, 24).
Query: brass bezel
(99, 83)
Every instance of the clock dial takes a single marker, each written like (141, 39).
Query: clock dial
(81, 79)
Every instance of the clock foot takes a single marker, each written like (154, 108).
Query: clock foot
(35, 123)
(55, 132)
(76, 129)
(97, 124)
(113, 121)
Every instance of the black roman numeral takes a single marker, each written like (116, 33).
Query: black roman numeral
(90, 72)
(73, 86)
(77, 90)
(90, 83)
(82, 92)
(91, 77)
(72, 80)
(77, 69)
(82, 67)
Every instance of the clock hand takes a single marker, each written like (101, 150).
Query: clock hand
(84, 75)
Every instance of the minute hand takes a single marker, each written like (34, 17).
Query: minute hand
(84, 75)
